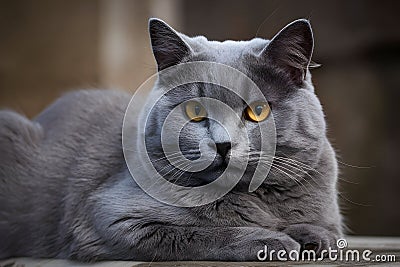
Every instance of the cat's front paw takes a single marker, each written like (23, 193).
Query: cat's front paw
(274, 246)
(312, 237)
(261, 244)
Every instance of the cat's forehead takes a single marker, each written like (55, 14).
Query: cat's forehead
(241, 55)
(226, 52)
(233, 97)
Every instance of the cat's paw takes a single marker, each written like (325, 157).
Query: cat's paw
(261, 244)
(274, 246)
(312, 237)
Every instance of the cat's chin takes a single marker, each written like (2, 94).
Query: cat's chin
(211, 174)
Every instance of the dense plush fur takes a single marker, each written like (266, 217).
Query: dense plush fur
(65, 190)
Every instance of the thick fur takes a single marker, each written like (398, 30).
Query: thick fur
(65, 190)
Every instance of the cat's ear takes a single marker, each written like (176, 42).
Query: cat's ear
(168, 47)
(291, 49)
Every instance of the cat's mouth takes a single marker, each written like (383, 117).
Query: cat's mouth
(183, 174)
(205, 176)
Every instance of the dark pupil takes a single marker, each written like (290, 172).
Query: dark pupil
(197, 110)
(258, 110)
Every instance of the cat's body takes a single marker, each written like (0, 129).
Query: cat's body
(65, 190)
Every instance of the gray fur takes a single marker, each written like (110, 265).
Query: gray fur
(65, 190)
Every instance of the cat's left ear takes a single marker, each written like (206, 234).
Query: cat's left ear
(291, 49)
(168, 47)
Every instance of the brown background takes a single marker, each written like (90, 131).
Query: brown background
(49, 47)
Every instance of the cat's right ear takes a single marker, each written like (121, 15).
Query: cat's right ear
(168, 47)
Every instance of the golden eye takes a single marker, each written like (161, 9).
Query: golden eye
(195, 111)
(257, 111)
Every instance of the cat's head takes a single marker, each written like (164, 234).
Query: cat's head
(280, 69)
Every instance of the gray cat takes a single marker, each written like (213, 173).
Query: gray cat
(66, 192)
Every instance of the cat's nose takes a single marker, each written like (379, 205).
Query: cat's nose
(223, 148)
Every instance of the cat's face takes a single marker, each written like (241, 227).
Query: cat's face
(288, 104)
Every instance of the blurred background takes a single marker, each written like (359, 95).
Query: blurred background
(51, 46)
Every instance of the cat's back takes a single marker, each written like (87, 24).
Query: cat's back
(84, 129)
(75, 141)
(79, 110)
(81, 123)
(78, 122)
